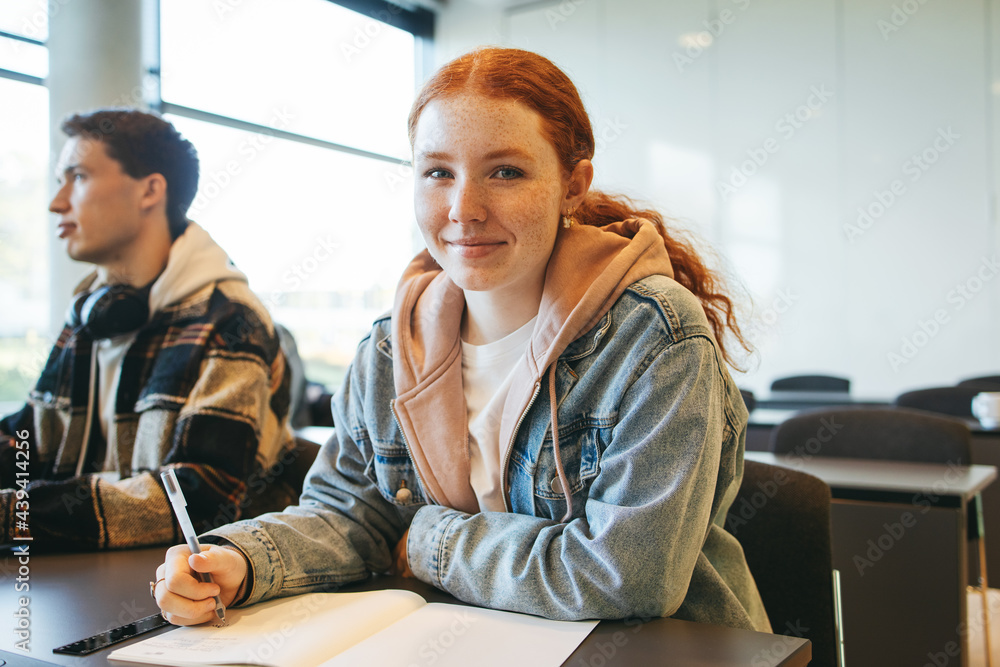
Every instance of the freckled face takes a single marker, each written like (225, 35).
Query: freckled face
(488, 193)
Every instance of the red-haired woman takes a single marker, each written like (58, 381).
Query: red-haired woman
(545, 423)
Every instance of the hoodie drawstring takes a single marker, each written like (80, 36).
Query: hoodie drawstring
(555, 445)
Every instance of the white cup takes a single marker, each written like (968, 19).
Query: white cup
(986, 408)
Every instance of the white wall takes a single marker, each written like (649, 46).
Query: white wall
(886, 80)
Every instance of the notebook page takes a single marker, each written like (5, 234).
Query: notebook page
(448, 635)
(300, 631)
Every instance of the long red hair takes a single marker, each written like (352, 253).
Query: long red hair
(533, 80)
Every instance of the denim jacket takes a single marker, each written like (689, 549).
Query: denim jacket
(651, 431)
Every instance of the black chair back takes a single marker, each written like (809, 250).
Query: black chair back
(827, 383)
(281, 485)
(984, 383)
(781, 517)
(894, 434)
(956, 401)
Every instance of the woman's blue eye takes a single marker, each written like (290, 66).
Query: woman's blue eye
(507, 173)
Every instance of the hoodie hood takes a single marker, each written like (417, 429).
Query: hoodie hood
(194, 262)
(427, 352)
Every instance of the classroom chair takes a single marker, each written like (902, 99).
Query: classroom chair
(828, 383)
(984, 383)
(781, 517)
(955, 401)
(895, 434)
(281, 485)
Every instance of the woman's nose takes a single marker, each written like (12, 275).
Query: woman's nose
(468, 203)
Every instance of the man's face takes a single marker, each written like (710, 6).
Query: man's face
(99, 205)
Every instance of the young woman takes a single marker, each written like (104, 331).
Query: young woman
(545, 423)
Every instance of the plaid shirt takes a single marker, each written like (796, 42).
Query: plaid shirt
(203, 389)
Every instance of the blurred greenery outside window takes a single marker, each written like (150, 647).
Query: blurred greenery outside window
(25, 231)
(298, 111)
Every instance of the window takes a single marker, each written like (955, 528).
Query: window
(298, 111)
(25, 228)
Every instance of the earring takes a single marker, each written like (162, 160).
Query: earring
(567, 220)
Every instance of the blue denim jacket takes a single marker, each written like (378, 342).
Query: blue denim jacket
(651, 431)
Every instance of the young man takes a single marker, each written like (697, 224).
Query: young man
(167, 359)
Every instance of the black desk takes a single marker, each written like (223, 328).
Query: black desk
(899, 540)
(77, 595)
(985, 451)
(801, 400)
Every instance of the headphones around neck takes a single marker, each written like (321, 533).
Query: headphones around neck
(110, 310)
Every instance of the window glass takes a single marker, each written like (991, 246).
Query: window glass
(28, 18)
(344, 76)
(25, 233)
(322, 235)
(24, 57)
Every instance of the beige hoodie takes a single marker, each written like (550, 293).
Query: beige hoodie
(427, 351)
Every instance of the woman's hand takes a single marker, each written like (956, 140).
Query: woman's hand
(400, 564)
(187, 600)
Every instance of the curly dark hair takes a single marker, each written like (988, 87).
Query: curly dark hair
(144, 144)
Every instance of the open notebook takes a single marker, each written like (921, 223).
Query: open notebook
(385, 628)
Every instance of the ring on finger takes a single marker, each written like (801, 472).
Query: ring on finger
(152, 587)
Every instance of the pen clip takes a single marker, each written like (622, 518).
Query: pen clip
(172, 487)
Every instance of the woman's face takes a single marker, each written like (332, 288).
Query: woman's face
(489, 192)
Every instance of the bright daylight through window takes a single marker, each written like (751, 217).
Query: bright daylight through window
(298, 111)
(25, 229)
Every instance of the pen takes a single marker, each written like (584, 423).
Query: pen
(179, 505)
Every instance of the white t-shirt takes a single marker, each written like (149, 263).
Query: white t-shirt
(487, 371)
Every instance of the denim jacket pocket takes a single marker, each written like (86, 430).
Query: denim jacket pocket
(580, 452)
(392, 472)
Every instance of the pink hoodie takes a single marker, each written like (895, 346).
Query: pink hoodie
(427, 351)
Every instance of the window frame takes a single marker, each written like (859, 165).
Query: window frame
(417, 21)
(21, 76)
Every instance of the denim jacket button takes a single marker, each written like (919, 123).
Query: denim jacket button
(403, 495)
(556, 485)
